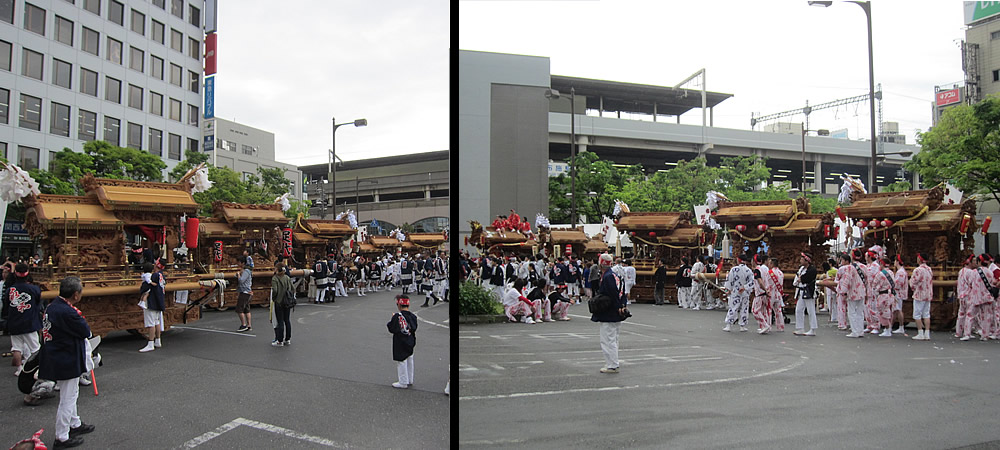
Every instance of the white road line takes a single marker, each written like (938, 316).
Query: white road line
(488, 442)
(562, 352)
(260, 426)
(213, 331)
(625, 322)
(469, 337)
(432, 323)
(794, 365)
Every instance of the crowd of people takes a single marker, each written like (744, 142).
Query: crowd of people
(423, 274)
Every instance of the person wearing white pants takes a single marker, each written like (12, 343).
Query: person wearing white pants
(805, 282)
(683, 283)
(851, 287)
(611, 285)
(403, 326)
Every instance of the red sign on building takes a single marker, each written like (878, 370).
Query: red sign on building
(210, 44)
(948, 97)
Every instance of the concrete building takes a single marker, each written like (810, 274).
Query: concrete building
(509, 130)
(244, 149)
(981, 50)
(125, 71)
(390, 191)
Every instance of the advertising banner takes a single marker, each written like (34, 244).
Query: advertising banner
(209, 97)
(976, 11)
(949, 97)
(211, 42)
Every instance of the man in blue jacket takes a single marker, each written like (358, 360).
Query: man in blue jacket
(63, 358)
(22, 303)
(611, 320)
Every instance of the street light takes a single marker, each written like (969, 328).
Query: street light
(331, 170)
(820, 132)
(871, 82)
(553, 94)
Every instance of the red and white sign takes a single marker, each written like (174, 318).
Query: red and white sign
(948, 97)
(210, 45)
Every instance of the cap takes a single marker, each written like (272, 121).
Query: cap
(402, 300)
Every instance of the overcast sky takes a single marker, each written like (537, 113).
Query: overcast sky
(289, 67)
(771, 55)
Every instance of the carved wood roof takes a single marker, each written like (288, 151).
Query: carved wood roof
(426, 238)
(216, 229)
(652, 221)
(48, 211)
(328, 228)
(384, 241)
(946, 218)
(893, 204)
(239, 213)
(576, 236)
(749, 213)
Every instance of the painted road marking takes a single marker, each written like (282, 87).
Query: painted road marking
(794, 365)
(260, 426)
(428, 321)
(213, 331)
(626, 322)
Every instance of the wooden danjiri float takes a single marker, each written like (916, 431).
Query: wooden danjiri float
(908, 222)
(660, 235)
(86, 236)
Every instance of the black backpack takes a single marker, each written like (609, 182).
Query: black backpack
(289, 300)
(600, 303)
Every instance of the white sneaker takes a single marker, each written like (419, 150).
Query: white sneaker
(853, 335)
(874, 331)
(277, 343)
(529, 320)
(810, 333)
(886, 333)
(765, 330)
(547, 320)
(156, 343)
(919, 336)
(709, 307)
(964, 338)
(727, 328)
(898, 331)
(744, 329)
(398, 385)
(695, 308)
(148, 348)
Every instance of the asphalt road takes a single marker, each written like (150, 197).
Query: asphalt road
(684, 383)
(211, 388)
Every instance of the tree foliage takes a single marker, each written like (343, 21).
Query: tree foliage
(101, 159)
(963, 148)
(675, 189)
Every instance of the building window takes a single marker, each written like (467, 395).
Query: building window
(31, 64)
(160, 4)
(64, 31)
(192, 115)
(4, 105)
(174, 148)
(135, 97)
(156, 142)
(138, 22)
(230, 145)
(158, 31)
(112, 130)
(93, 6)
(62, 73)
(116, 12)
(134, 132)
(114, 51)
(52, 160)
(175, 110)
(194, 16)
(27, 157)
(194, 81)
(996, 75)
(194, 48)
(34, 19)
(135, 59)
(87, 128)
(155, 104)
(177, 8)
(177, 40)
(59, 125)
(7, 11)
(113, 90)
(91, 41)
(88, 82)
(30, 114)
(248, 150)
(247, 175)
(6, 50)
(176, 75)
(192, 145)
(156, 67)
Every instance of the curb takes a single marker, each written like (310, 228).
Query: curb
(485, 318)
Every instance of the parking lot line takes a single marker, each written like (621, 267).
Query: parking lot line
(260, 426)
(213, 331)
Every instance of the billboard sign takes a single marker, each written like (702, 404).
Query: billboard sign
(211, 16)
(976, 11)
(209, 143)
(209, 97)
(949, 97)
(211, 42)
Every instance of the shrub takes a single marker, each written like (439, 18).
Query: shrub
(476, 300)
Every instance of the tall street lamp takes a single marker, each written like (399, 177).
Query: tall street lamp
(330, 168)
(552, 94)
(871, 83)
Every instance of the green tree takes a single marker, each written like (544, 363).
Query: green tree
(101, 159)
(963, 148)
(899, 186)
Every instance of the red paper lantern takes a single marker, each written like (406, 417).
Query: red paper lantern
(762, 227)
(632, 234)
(887, 223)
(741, 228)
(569, 249)
(652, 234)
(840, 213)
(714, 212)
(191, 232)
(826, 230)
(986, 224)
(286, 239)
(862, 224)
(873, 223)
(965, 223)
(466, 240)
(217, 251)
(616, 221)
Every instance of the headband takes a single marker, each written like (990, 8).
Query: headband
(873, 254)
(807, 257)
(21, 274)
(920, 257)
(982, 258)
(899, 259)
(403, 301)
(969, 259)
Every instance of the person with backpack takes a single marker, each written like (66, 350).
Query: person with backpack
(282, 303)
(403, 326)
(611, 318)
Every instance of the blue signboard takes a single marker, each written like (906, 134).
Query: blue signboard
(209, 97)
(209, 143)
